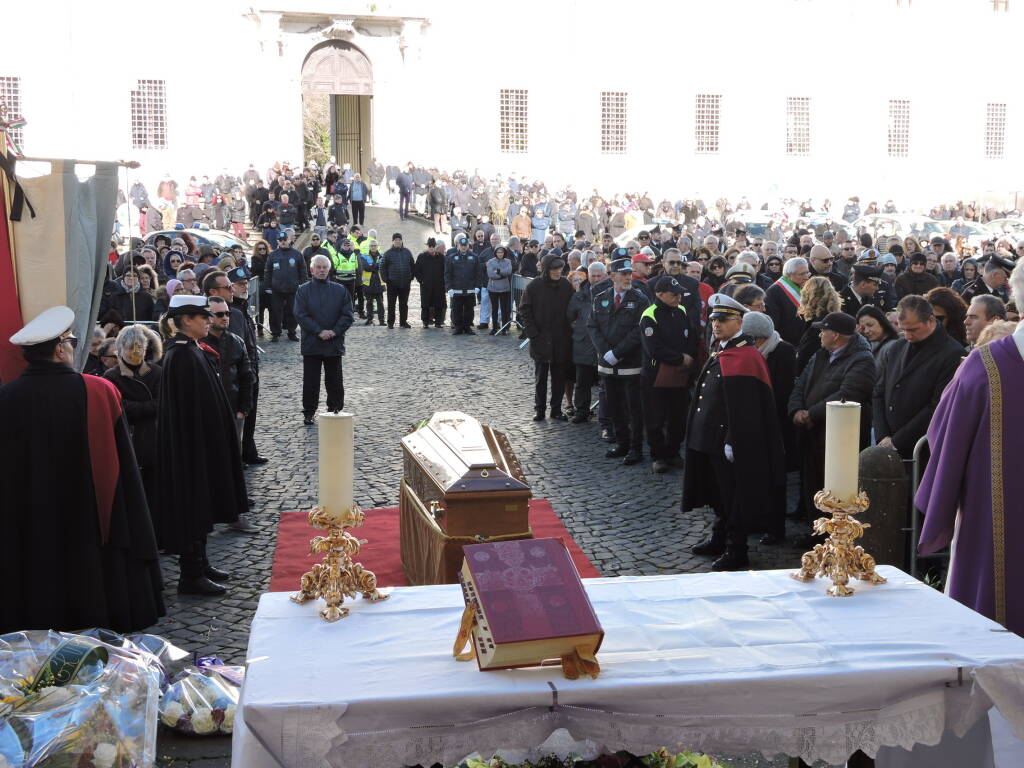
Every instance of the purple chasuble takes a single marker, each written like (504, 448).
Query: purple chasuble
(976, 472)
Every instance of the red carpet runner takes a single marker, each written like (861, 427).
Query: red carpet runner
(381, 554)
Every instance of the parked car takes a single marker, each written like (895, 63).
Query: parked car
(899, 225)
(216, 237)
(1009, 227)
(976, 233)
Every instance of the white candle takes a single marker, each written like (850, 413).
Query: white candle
(336, 463)
(842, 449)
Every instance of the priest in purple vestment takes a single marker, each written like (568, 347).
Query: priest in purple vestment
(972, 493)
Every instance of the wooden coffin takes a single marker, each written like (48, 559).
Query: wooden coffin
(461, 484)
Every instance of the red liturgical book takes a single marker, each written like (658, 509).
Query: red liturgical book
(528, 606)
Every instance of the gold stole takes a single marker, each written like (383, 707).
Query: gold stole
(995, 427)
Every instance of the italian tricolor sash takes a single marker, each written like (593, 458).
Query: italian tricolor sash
(791, 289)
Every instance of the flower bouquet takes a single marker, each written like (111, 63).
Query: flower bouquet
(202, 700)
(74, 701)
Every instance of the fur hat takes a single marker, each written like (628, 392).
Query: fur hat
(137, 344)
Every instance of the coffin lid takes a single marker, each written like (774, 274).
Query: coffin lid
(454, 449)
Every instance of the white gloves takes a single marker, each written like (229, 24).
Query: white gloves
(728, 453)
(610, 358)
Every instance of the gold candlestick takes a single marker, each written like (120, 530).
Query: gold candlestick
(839, 558)
(337, 577)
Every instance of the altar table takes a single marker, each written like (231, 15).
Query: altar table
(726, 663)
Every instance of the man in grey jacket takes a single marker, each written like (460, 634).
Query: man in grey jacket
(324, 311)
(285, 272)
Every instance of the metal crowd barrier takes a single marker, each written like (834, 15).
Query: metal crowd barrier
(519, 284)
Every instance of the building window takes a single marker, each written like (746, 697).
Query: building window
(995, 130)
(705, 128)
(899, 127)
(1000, 5)
(512, 106)
(613, 122)
(798, 125)
(149, 115)
(10, 95)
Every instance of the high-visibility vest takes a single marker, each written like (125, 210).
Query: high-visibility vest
(363, 247)
(345, 267)
(367, 274)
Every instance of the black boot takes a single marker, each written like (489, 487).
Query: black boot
(215, 574)
(538, 415)
(732, 560)
(713, 546)
(199, 585)
(633, 457)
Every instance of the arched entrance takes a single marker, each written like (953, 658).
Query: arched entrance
(341, 73)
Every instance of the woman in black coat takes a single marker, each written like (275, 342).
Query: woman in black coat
(780, 357)
(544, 314)
(137, 378)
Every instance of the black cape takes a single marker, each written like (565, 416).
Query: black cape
(56, 570)
(754, 434)
(201, 481)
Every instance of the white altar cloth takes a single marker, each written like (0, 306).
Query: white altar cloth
(726, 663)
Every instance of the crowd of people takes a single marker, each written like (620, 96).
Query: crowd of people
(694, 343)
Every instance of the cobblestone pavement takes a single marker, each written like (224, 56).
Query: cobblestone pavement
(626, 519)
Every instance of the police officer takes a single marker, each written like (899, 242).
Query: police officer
(346, 265)
(884, 296)
(669, 344)
(464, 274)
(239, 277)
(864, 288)
(991, 282)
(285, 272)
(734, 452)
(615, 330)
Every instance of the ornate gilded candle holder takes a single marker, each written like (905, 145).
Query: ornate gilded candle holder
(337, 577)
(839, 559)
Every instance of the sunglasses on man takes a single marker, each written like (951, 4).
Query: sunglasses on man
(72, 340)
(221, 314)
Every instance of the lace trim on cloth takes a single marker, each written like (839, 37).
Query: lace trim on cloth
(830, 737)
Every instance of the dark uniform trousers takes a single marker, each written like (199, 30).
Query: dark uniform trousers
(462, 309)
(625, 406)
(665, 411)
(282, 307)
(311, 365)
(249, 427)
(727, 525)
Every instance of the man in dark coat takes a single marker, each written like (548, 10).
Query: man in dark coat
(843, 369)
(231, 359)
(396, 269)
(70, 493)
(615, 331)
(429, 273)
(670, 343)
(782, 300)
(734, 453)
(284, 273)
(991, 282)
(197, 446)
(324, 311)
(821, 261)
(865, 282)
(543, 312)
(913, 371)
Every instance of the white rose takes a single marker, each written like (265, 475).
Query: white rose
(202, 720)
(104, 756)
(228, 726)
(171, 714)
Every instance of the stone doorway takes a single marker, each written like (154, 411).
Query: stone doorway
(337, 91)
